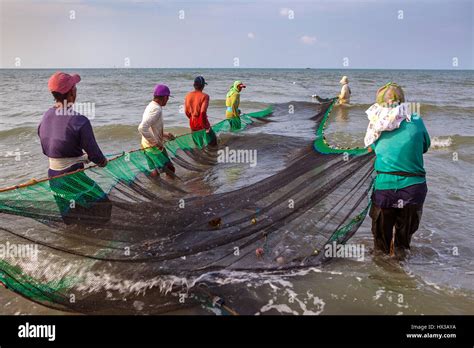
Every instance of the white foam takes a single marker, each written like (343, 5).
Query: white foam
(294, 298)
(438, 142)
(378, 294)
(281, 308)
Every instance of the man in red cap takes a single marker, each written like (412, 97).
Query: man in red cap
(66, 136)
(68, 140)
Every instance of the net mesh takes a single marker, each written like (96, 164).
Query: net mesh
(122, 240)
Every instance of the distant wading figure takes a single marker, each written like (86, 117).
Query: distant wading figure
(345, 95)
(232, 103)
(399, 139)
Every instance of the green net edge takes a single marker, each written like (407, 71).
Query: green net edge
(16, 280)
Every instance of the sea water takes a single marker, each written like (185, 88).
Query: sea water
(438, 275)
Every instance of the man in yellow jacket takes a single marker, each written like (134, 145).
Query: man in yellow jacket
(232, 103)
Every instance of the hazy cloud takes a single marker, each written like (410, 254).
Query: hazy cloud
(285, 11)
(308, 40)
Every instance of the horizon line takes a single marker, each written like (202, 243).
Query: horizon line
(235, 68)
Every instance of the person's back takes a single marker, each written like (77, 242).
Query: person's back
(195, 108)
(399, 139)
(345, 95)
(152, 132)
(67, 136)
(196, 104)
(401, 150)
(151, 126)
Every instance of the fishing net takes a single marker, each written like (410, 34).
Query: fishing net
(120, 239)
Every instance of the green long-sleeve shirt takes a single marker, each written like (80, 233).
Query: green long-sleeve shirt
(401, 150)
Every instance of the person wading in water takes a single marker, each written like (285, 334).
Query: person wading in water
(399, 139)
(195, 107)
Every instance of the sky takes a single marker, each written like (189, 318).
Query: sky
(370, 34)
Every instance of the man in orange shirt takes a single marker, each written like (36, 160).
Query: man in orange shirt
(195, 106)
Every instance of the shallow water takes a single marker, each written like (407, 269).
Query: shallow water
(437, 277)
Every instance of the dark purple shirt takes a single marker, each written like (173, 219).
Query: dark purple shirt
(67, 136)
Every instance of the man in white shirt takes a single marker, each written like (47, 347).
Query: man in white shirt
(151, 127)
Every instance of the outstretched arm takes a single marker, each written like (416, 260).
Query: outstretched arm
(89, 144)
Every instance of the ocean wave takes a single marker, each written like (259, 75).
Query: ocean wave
(111, 131)
(424, 108)
(445, 141)
(106, 133)
(428, 108)
(244, 104)
(441, 142)
(302, 110)
(366, 80)
(17, 131)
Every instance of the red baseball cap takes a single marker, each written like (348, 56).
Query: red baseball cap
(62, 83)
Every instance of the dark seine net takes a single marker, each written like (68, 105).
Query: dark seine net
(118, 240)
